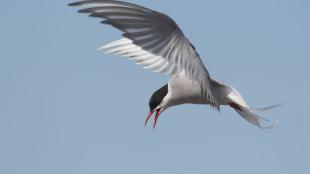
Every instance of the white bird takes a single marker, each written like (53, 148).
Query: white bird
(155, 41)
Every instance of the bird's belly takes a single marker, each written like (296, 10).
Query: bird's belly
(189, 97)
(182, 91)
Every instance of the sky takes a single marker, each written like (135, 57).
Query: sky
(65, 108)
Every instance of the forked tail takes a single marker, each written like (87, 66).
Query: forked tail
(248, 114)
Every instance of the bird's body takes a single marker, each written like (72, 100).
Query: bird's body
(181, 90)
(154, 40)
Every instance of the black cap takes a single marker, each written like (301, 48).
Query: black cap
(157, 97)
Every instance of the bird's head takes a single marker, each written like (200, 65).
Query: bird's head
(155, 104)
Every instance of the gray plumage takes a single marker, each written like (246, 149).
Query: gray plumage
(155, 41)
(155, 33)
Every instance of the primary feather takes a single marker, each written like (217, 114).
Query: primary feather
(154, 34)
(155, 41)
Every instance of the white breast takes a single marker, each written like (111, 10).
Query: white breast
(182, 90)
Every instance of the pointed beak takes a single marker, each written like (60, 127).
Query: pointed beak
(158, 112)
(148, 117)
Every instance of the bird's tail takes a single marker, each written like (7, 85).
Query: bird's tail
(236, 101)
(250, 116)
(266, 108)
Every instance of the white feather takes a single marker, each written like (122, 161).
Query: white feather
(115, 43)
(256, 119)
(150, 61)
(155, 65)
(137, 54)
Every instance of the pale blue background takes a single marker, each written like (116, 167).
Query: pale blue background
(65, 108)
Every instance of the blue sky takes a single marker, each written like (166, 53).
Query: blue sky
(65, 108)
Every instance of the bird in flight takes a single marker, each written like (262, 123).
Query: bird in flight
(153, 40)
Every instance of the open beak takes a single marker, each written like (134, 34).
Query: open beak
(158, 112)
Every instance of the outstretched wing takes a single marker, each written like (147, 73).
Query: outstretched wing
(151, 38)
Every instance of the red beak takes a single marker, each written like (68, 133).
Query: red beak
(148, 117)
(155, 118)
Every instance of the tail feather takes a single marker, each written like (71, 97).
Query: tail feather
(236, 101)
(255, 119)
(266, 108)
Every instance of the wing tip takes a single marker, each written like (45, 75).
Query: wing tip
(77, 3)
(82, 2)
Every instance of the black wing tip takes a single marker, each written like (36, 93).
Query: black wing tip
(86, 10)
(78, 3)
(74, 3)
(82, 2)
